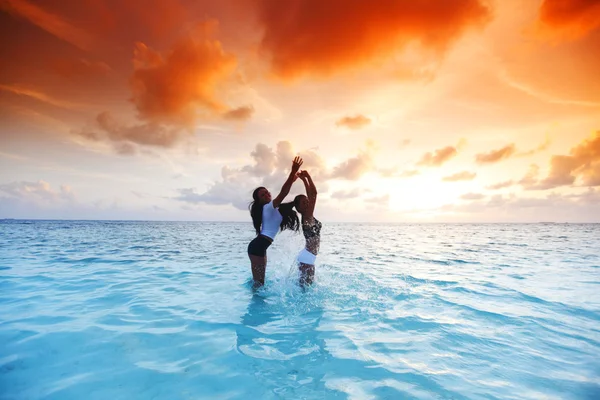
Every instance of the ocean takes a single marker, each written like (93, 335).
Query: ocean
(166, 310)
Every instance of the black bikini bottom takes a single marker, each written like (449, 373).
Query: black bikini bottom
(258, 246)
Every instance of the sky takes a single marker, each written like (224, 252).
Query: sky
(404, 111)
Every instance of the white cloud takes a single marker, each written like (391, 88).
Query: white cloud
(37, 191)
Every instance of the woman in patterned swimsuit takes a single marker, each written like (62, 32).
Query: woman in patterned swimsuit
(311, 228)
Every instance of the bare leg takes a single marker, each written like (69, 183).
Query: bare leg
(259, 266)
(307, 274)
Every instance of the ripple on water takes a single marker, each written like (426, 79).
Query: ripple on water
(102, 310)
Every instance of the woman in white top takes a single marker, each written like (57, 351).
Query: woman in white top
(268, 217)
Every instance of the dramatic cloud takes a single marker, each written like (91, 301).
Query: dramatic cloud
(181, 86)
(460, 176)
(324, 37)
(356, 122)
(495, 155)
(108, 128)
(86, 81)
(583, 163)
(437, 158)
(571, 19)
(500, 185)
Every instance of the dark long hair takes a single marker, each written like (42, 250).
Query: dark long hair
(297, 200)
(290, 217)
(256, 210)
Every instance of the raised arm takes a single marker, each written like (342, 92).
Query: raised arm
(285, 189)
(311, 192)
(313, 189)
(305, 181)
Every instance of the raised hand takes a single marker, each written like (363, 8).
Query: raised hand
(296, 164)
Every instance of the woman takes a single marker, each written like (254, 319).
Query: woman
(311, 228)
(268, 217)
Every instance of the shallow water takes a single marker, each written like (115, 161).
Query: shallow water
(165, 310)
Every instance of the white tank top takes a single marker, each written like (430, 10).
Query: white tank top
(271, 219)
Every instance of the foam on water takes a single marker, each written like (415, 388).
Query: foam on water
(140, 310)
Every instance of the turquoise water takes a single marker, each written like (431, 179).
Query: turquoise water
(165, 310)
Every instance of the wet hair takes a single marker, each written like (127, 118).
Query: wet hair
(290, 217)
(297, 200)
(256, 210)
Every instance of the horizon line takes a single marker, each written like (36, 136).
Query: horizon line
(335, 222)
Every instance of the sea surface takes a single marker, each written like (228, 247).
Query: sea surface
(166, 310)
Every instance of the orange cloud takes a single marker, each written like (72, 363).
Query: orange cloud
(353, 168)
(107, 127)
(356, 122)
(538, 149)
(439, 157)
(583, 163)
(322, 37)
(181, 86)
(40, 96)
(52, 23)
(91, 24)
(460, 176)
(530, 179)
(495, 155)
(157, 18)
(239, 114)
(571, 19)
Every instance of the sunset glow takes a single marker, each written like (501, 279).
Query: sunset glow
(404, 111)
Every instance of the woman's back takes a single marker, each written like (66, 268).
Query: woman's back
(312, 234)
